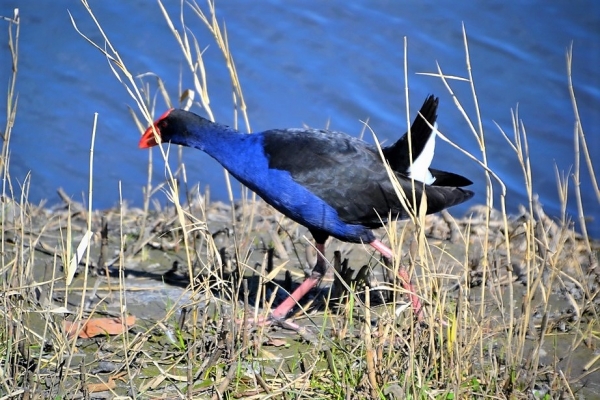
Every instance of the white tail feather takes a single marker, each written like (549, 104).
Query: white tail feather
(419, 170)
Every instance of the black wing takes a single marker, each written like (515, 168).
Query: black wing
(348, 174)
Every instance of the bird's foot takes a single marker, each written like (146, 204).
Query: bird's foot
(251, 322)
(262, 321)
(415, 301)
(403, 274)
(278, 316)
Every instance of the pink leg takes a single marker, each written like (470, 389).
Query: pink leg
(414, 299)
(284, 308)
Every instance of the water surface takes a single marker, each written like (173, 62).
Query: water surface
(315, 63)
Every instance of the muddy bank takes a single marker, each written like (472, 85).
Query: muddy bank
(189, 274)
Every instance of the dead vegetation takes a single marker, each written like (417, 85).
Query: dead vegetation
(150, 302)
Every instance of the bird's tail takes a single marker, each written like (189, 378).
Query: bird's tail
(422, 145)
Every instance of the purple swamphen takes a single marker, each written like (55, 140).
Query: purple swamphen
(333, 184)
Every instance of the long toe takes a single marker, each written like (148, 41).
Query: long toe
(284, 308)
(414, 298)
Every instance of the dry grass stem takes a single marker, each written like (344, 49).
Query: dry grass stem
(511, 300)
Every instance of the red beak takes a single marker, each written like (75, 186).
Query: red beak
(148, 138)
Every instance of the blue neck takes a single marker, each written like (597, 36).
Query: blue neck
(233, 150)
(243, 155)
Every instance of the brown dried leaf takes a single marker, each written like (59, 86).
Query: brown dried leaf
(98, 326)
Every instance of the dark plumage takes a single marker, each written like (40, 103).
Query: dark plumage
(332, 183)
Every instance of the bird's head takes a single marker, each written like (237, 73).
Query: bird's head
(175, 126)
(162, 127)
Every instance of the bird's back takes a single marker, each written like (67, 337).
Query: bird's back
(330, 182)
(349, 175)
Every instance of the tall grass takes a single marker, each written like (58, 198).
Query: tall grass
(501, 291)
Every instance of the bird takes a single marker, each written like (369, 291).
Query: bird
(330, 182)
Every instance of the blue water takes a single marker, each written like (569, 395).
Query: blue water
(314, 63)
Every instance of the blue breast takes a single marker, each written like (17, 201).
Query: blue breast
(243, 156)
